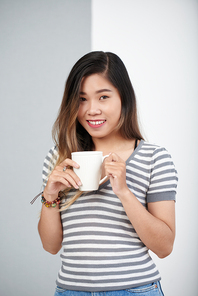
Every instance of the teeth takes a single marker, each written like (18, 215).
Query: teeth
(96, 122)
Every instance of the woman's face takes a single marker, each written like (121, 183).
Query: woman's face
(100, 106)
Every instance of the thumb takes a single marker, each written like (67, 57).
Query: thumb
(114, 157)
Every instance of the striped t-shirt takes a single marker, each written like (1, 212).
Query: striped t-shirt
(101, 250)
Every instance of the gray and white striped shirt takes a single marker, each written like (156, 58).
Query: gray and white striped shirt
(101, 249)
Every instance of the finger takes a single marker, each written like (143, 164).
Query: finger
(69, 176)
(75, 182)
(58, 182)
(115, 169)
(113, 165)
(69, 162)
(112, 173)
(113, 157)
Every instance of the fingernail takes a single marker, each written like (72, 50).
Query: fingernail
(76, 165)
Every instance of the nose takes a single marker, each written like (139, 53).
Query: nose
(93, 108)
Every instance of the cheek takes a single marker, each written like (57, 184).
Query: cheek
(80, 112)
(116, 111)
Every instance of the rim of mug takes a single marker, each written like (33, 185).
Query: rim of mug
(87, 152)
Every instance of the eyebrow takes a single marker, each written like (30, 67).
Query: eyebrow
(98, 91)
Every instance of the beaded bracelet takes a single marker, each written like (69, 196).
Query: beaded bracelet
(50, 204)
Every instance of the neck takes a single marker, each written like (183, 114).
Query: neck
(113, 144)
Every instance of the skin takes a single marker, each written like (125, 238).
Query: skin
(99, 113)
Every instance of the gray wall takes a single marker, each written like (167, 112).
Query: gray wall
(39, 42)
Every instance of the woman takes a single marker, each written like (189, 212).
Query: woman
(106, 234)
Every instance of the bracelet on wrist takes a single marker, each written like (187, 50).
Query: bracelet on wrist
(50, 204)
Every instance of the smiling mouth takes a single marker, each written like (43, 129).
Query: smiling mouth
(96, 123)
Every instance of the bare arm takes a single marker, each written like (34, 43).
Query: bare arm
(155, 226)
(50, 226)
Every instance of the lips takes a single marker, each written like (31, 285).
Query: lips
(95, 123)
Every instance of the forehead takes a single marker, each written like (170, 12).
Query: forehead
(96, 82)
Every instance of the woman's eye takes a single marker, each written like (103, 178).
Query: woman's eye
(103, 97)
(82, 99)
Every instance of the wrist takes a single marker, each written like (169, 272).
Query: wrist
(125, 194)
(49, 197)
(50, 204)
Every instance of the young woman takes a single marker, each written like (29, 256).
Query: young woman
(105, 235)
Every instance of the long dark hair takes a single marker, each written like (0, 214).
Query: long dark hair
(68, 133)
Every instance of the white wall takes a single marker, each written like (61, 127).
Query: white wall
(158, 42)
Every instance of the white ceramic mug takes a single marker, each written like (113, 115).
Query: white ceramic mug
(90, 170)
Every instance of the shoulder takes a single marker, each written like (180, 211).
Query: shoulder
(153, 151)
(155, 158)
(163, 174)
(52, 154)
(147, 146)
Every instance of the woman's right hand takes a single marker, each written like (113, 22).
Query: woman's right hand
(61, 179)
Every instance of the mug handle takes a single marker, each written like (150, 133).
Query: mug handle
(103, 179)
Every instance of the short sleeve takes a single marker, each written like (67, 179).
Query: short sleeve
(49, 164)
(164, 177)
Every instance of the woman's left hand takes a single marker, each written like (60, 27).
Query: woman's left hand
(115, 169)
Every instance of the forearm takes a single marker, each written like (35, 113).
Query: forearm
(50, 229)
(50, 226)
(153, 232)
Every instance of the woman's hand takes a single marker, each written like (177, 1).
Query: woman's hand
(61, 179)
(115, 169)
